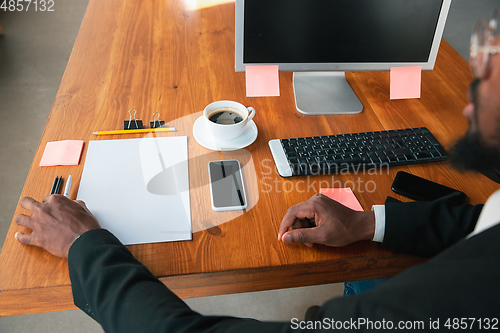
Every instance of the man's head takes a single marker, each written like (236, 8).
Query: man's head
(479, 148)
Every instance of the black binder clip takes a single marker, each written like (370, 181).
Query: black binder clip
(156, 123)
(132, 123)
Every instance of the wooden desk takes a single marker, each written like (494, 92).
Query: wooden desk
(162, 56)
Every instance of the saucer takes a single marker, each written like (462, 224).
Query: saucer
(203, 137)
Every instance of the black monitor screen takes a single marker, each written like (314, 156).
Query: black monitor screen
(339, 31)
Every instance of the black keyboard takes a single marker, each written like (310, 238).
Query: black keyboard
(347, 152)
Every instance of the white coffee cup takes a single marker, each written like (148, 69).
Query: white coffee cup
(227, 131)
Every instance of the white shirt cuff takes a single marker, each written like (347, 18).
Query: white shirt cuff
(379, 211)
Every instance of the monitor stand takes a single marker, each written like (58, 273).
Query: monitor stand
(324, 93)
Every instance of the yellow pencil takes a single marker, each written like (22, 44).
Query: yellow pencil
(133, 131)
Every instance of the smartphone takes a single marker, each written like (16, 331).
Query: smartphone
(418, 188)
(227, 190)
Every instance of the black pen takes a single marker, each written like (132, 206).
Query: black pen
(52, 190)
(58, 185)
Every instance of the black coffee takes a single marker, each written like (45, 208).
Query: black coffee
(225, 117)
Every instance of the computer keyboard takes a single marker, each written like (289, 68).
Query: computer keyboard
(348, 152)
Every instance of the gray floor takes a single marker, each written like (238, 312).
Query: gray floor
(33, 55)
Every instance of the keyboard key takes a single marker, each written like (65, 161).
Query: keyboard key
(409, 157)
(384, 159)
(423, 155)
(315, 169)
(403, 150)
(392, 159)
(392, 134)
(356, 160)
(441, 151)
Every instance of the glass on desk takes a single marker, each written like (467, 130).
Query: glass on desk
(481, 44)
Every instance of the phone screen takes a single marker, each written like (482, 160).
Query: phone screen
(418, 188)
(226, 185)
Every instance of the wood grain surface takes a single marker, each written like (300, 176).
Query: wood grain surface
(167, 57)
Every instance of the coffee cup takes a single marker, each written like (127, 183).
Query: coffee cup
(226, 120)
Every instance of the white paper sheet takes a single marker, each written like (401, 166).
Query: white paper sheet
(139, 188)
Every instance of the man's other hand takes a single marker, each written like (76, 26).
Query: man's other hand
(56, 223)
(325, 221)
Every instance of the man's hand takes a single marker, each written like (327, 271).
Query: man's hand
(325, 221)
(56, 223)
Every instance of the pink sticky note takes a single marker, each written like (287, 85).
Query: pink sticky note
(344, 196)
(62, 153)
(262, 80)
(406, 82)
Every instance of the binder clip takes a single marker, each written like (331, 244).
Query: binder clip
(156, 123)
(132, 123)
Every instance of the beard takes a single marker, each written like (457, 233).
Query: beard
(471, 153)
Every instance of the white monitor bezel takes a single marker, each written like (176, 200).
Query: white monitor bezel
(297, 67)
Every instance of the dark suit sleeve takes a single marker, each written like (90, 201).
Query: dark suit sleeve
(425, 229)
(123, 296)
(115, 289)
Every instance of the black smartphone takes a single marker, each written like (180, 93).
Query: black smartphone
(418, 188)
(226, 185)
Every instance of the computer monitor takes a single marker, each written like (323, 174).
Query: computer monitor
(321, 39)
